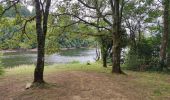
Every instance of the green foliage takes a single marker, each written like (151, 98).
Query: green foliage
(1, 8)
(11, 38)
(145, 56)
(66, 35)
(57, 39)
(52, 45)
(131, 61)
(22, 10)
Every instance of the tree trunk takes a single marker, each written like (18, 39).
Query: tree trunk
(164, 42)
(104, 58)
(97, 53)
(41, 30)
(116, 49)
(104, 51)
(38, 73)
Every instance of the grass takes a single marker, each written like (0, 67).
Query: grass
(157, 83)
(156, 86)
(27, 69)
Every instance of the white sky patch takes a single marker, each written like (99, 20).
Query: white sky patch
(30, 8)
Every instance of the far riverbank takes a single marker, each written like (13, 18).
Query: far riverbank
(35, 49)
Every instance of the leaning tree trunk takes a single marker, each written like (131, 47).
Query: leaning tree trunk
(164, 42)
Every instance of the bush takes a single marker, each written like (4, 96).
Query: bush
(144, 57)
(132, 61)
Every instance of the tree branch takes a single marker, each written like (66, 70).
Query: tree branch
(45, 16)
(23, 28)
(86, 4)
(13, 4)
(82, 20)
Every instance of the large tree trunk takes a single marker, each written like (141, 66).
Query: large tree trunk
(164, 42)
(116, 49)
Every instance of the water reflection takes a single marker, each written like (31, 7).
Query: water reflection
(12, 59)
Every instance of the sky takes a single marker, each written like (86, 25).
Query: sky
(30, 8)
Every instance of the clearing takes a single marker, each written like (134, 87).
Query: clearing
(81, 83)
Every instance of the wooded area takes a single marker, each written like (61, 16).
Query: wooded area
(127, 34)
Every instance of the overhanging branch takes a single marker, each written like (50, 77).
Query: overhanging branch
(82, 20)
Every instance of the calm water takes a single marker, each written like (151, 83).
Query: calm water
(12, 59)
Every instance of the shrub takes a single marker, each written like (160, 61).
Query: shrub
(133, 62)
(144, 57)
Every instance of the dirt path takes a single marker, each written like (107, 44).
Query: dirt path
(73, 85)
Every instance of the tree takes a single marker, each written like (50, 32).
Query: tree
(164, 43)
(42, 12)
(116, 33)
(105, 46)
(108, 13)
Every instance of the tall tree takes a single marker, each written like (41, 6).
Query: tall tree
(42, 8)
(109, 15)
(42, 12)
(164, 42)
(116, 33)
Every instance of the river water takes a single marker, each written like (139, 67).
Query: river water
(12, 59)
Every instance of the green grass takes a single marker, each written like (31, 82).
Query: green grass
(26, 69)
(157, 84)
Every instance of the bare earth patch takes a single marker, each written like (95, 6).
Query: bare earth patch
(74, 85)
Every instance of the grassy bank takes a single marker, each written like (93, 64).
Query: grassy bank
(76, 66)
(133, 86)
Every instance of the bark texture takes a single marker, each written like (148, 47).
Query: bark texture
(116, 49)
(164, 43)
(41, 29)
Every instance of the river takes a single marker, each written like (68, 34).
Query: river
(12, 59)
